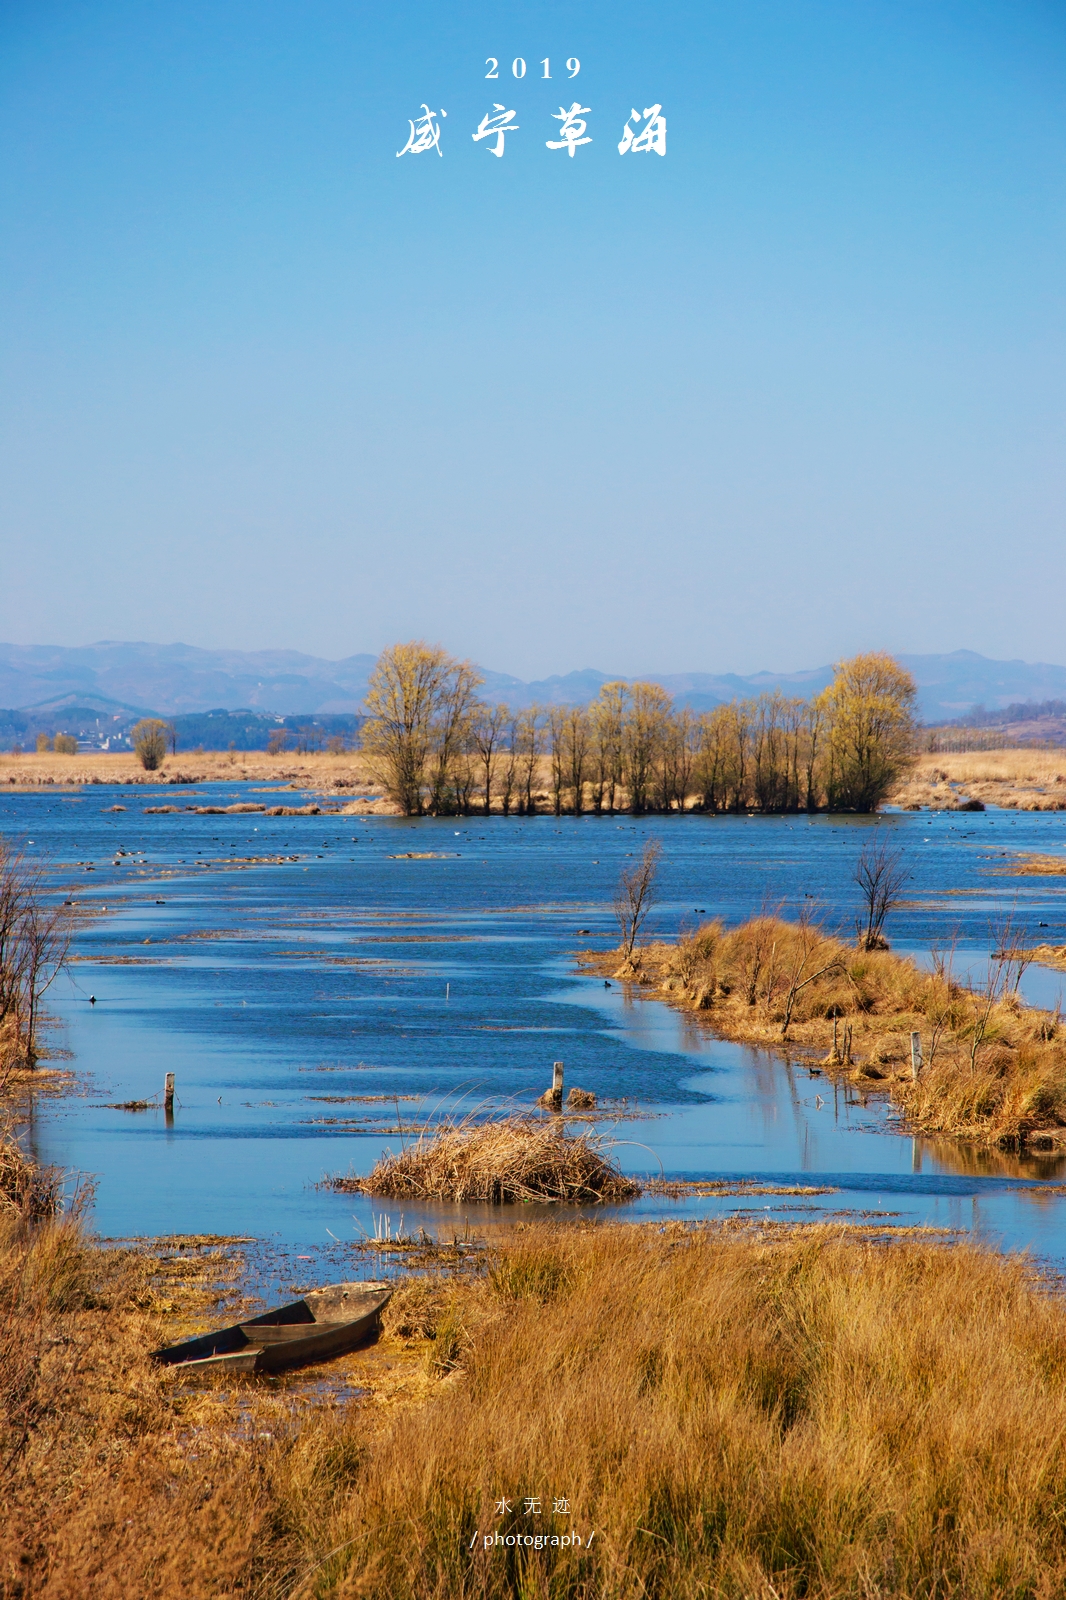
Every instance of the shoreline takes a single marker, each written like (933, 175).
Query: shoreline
(1010, 1095)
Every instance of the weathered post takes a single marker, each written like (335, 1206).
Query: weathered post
(552, 1098)
(168, 1093)
(835, 1058)
(916, 1056)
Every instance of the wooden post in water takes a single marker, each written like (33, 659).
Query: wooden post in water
(916, 1056)
(168, 1093)
(552, 1098)
(836, 1050)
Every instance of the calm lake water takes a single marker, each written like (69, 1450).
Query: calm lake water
(312, 1009)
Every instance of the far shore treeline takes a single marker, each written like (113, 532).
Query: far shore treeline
(438, 749)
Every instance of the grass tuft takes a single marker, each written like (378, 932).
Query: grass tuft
(26, 1190)
(510, 1159)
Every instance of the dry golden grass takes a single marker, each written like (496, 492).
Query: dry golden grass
(1024, 780)
(320, 771)
(994, 1070)
(729, 1413)
(506, 1160)
(1037, 867)
(1024, 768)
(27, 1190)
(1051, 955)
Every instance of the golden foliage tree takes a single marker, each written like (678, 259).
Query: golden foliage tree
(437, 746)
(150, 739)
(607, 715)
(650, 708)
(421, 703)
(869, 710)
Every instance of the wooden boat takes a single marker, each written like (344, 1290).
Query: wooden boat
(326, 1322)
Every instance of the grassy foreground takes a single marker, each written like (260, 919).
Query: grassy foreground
(726, 1412)
(993, 1069)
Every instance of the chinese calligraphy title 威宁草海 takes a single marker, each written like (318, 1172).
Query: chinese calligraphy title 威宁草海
(572, 131)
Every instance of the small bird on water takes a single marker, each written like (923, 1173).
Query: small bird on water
(92, 999)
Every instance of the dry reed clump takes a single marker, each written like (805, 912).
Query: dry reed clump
(785, 1413)
(27, 1191)
(506, 1160)
(1036, 866)
(992, 1068)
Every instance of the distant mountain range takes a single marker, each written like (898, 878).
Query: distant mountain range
(116, 682)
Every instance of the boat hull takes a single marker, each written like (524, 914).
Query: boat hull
(325, 1324)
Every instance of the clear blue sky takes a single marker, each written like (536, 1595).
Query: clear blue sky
(794, 390)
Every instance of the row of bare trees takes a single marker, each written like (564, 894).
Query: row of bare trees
(438, 748)
(34, 939)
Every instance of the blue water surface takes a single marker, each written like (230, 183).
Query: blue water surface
(277, 990)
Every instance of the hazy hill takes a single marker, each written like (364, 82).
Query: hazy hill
(117, 679)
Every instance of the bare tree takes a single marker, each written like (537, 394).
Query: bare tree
(762, 947)
(34, 940)
(607, 716)
(635, 896)
(1007, 962)
(509, 770)
(557, 754)
(456, 709)
(809, 944)
(487, 730)
(941, 1008)
(575, 750)
(530, 738)
(814, 717)
(880, 875)
(644, 730)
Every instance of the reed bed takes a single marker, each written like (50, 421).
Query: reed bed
(27, 1191)
(992, 1068)
(746, 1414)
(1016, 779)
(501, 1161)
(1020, 766)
